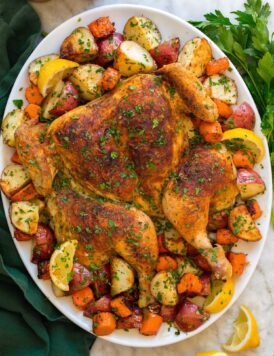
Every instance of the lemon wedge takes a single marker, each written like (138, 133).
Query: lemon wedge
(53, 71)
(61, 264)
(246, 334)
(221, 294)
(212, 353)
(237, 139)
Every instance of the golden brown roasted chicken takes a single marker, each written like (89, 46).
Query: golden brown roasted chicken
(131, 146)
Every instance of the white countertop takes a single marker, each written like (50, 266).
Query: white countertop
(259, 294)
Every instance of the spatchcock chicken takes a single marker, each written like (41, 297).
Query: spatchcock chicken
(109, 168)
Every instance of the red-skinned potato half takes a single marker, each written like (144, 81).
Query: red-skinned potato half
(168, 313)
(44, 242)
(249, 183)
(101, 305)
(68, 100)
(134, 321)
(167, 52)
(100, 281)
(108, 47)
(81, 277)
(190, 316)
(218, 220)
(243, 117)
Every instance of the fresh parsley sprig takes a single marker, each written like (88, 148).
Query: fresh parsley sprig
(249, 45)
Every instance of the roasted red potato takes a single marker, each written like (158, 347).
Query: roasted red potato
(68, 100)
(21, 236)
(249, 183)
(44, 244)
(110, 78)
(43, 270)
(168, 313)
(101, 27)
(100, 281)
(218, 220)
(190, 316)
(202, 262)
(108, 47)
(101, 305)
(167, 52)
(243, 116)
(206, 284)
(134, 321)
(81, 277)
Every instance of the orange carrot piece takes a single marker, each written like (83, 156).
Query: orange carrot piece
(189, 283)
(21, 236)
(254, 209)
(217, 66)
(225, 237)
(15, 158)
(151, 324)
(166, 263)
(83, 297)
(27, 193)
(238, 262)
(211, 131)
(110, 78)
(33, 111)
(101, 27)
(161, 245)
(33, 95)
(119, 307)
(243, 159)
(224, 110)
(104, 323)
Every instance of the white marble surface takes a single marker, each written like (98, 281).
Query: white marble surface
(259, 295)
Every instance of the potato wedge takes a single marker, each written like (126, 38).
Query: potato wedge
(14, 177)
(25, 215)
(79, 46)
(174, 242)
(143, 31)
(51, 100)
(37, 64)
(163, 288)
(10, 124)
(187, 266)
(87, 80)
(131, 59)
(195, 55)
(242, 225)
(122, 276)
(222, 88)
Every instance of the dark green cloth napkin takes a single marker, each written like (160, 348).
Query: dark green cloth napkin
(29, 324)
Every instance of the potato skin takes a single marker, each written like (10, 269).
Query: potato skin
(143, 31)
(79, 46)
(108, 48)
(167, 52)
(195, 55)
(222, 88)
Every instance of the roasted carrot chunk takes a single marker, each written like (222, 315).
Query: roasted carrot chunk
(104, 323)
(119, 307)
(166, 263)
(27, 193)
(162, 248)
(238, 262)
(101, 27)
(33, 95)
(225, 237)
(15, 158)
(110, 78)
(243, 159)
(254, 209)
(217, 66)
(151, 324)
(189, 283)
(33, 111)
(224, 110)
(83, 297)
(211, 131)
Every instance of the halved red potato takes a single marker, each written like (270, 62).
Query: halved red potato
(14, 177)
(167, 52)
(100, 281)
(243, 117)
(81, 277)
(168, 313)
(108, 47)
(190, 316)
(134, 321)
(101, 305)
(222, 88)
(51, 101)
(43, 244)
(68, 100)
(163, 288)
(10, 124)
(37, 64)
(249, 183)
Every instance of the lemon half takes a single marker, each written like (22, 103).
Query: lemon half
(237, 139)
(212, 353)
(221, 295)
(246, 334)
(52, 72)
(61, 264)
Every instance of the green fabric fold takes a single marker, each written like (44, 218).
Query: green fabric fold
(29, 323)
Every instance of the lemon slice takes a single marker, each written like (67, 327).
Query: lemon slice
(246, 334)
(61, 264)
(237, 139)
(221, 294)
(52, 72)
(212, 353)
